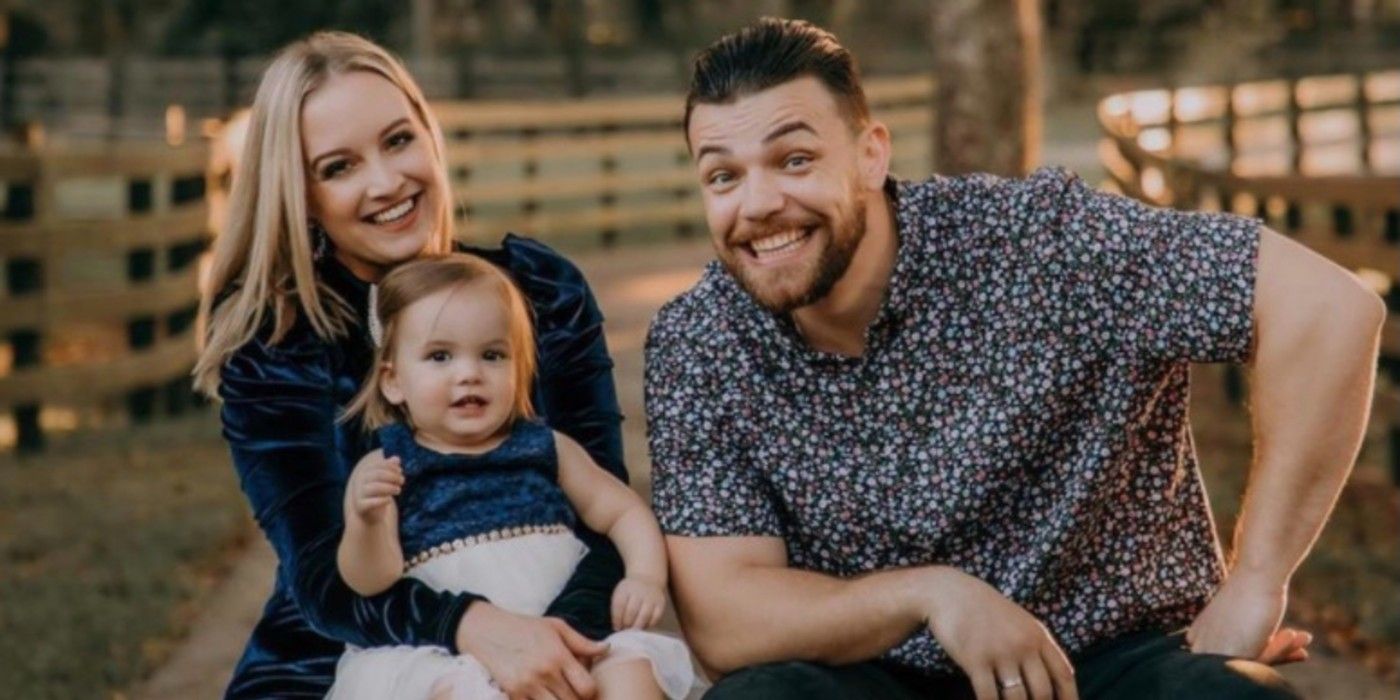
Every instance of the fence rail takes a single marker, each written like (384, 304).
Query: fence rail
(596, 169)
(101, 243)
(100, 246)
(1317, 158)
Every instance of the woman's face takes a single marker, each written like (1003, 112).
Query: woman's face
(371, 172)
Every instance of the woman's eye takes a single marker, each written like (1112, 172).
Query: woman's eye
(402, 138)
(333, 169)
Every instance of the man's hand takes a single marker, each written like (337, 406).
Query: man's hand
(531, 658)
(637, 603)
(374, 483)
(1242, 621)
(1003, 649)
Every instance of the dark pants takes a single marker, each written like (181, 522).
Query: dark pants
(1143, 666)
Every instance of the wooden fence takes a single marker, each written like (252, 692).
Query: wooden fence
(1317, 158)
(100, 248)
(599, 169)
(100, 245)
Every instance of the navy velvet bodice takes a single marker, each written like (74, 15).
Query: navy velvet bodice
(281, 405)
(447, 497)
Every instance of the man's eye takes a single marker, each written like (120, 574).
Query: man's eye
(797, 161)
(439, 356)
(719, 178)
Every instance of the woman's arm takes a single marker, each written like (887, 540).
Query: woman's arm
(370, 555)
(279, 418)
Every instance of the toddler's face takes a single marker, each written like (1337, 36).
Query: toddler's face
(452, 368)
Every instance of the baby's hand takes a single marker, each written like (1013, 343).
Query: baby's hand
(637, 603)
(373, 485)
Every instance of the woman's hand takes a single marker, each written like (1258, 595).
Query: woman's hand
(373, 484)
(638, 603)
(531, 658)
(1003, 649)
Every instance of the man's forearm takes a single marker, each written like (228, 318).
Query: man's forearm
(761, 614)
(1312, 393)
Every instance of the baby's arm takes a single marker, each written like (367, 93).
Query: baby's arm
(608, 506)
(370, 556)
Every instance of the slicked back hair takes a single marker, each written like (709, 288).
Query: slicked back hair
(771, 52)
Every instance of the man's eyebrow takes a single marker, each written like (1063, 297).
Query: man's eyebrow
(717, 150)
(788, 128)
(773, 135)
(392, 125)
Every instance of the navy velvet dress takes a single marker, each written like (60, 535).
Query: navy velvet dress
(280, 405)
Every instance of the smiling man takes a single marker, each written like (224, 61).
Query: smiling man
(929, 439)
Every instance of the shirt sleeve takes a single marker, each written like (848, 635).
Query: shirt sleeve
(279, 419)
(701, 483)
(1177, 286)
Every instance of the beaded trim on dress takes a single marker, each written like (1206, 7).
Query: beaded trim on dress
(492, 536)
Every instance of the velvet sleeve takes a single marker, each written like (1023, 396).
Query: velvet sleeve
(279, 417)
(576, 396)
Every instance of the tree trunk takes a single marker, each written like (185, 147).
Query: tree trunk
(987, 103)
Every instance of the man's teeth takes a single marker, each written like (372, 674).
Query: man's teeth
(397, 212)
(777, 241)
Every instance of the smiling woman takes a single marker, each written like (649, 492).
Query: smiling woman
(371, 176)
(341, 178)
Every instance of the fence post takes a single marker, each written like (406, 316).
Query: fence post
(1363, 125)
(1295, 136)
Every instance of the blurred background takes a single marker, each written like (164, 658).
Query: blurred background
(129, 566)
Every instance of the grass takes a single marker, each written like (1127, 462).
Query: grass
(102, 554)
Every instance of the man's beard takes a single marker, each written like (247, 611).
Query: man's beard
(831, 265)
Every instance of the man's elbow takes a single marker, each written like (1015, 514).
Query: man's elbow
(1345, 318)
(718, 649)
(1379, 312)
(1363, 315)
(717, 656)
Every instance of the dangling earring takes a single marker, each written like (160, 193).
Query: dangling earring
(319, 240)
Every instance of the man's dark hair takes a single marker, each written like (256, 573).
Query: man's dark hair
(771, 52)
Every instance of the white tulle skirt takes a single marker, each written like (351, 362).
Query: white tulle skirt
(523, 575)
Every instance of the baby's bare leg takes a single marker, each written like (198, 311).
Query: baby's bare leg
(459, 685)
(629, 679)
(442, 689)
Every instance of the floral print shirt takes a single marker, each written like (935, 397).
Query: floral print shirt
(1019, 412)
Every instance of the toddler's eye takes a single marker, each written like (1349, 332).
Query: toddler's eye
(493, 356)
(439, 356)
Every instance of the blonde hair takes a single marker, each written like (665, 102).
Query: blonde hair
(412, 281)
(263, 258)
